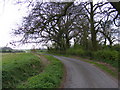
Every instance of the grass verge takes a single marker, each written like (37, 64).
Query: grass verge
(17, 67)
(50, 78)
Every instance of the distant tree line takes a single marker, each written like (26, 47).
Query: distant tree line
(6, 49)
(9, 50)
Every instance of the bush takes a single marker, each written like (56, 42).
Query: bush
(108, 56)
(89, 54)
(75, 51)
(116, 47)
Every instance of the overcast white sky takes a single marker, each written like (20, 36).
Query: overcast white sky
(10, 15)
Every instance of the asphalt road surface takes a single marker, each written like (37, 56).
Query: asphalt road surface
(84, 75)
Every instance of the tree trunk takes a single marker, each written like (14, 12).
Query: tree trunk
(67, 42)
(93, 32)
(105, 41)
(110, 41)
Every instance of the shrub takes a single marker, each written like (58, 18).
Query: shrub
(116, 47)
(108, 56)
(89, 54)
(75, 51)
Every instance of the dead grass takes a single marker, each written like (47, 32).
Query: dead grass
(45, 62)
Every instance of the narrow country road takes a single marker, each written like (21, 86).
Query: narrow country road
(84, 75)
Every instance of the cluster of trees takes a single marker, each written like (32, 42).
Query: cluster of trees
(6, 49)
(9, 50)
(65, 23)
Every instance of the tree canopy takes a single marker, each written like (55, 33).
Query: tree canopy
(64, 23)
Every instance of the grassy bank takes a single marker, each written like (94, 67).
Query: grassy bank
(17, 67)
(50, 78)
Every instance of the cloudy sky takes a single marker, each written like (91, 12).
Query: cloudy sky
(10, 15)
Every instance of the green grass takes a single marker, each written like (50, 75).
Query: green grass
(50, 78)
(17, 67)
